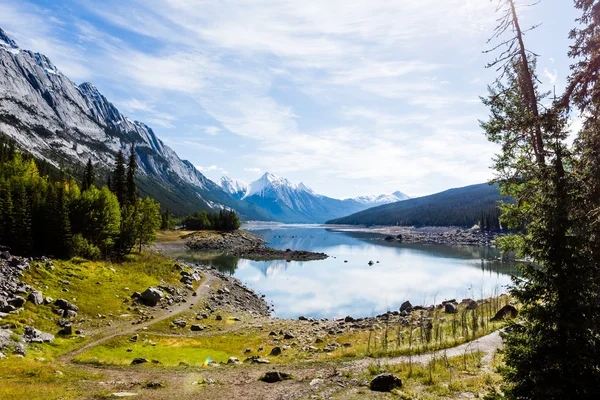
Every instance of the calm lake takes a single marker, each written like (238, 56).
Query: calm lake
(421, 273)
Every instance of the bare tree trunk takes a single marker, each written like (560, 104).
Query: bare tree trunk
(529, 89)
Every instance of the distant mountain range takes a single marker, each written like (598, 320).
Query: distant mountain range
(291, 203)
(65, 124)
(462, 207)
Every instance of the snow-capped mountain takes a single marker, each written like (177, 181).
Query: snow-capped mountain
(292, 203)
(375, 200)
(63, 123)
(235, 187)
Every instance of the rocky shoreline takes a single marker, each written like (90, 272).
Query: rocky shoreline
(429, 235)
(246, 245)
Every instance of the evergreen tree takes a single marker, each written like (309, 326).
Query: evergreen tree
(6, 212)
(20, 236)
(89, 176)
(63, 222)
(119, 179)
(553, 352)
(130, 181)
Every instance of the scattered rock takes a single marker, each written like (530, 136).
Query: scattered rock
(151, 296)
(406, 306)
(134, 338)
(197, 328)
(154, 385)
(275, 351)
(505, 312)
(36, 297)
(140, 360)
(180, 323)
(385, 383)
(16, 301)
(450, 308)
(233, 360)
(20, 349)
(275, 376)
(63, 304)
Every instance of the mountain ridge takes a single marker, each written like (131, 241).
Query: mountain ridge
(66, 124)
(462, 207)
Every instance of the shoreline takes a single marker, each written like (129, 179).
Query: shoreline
(244, 244)
(450, 235)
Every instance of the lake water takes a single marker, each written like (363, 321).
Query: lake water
(421, 273)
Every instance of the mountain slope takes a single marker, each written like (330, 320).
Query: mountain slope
(65, 124)
(235, 187)
(375, 200)
(298, 203)
(455, 207)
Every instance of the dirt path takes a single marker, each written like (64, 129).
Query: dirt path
(486, 344)
(201, 291)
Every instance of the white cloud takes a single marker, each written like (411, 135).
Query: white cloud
(381, 94)
(212, 130)
(134, 104)
(211, 168)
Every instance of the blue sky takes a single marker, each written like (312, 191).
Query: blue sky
(351, 97)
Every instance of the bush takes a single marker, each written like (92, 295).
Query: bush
(83, 248)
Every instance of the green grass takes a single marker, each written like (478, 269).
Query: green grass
(448, 330)
(96, 289)
(30, 379)
(170, 351)
(442, 378)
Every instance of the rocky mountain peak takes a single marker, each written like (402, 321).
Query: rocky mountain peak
(7, 40)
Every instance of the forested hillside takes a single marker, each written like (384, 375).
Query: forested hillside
(465, 207)
(45, 211)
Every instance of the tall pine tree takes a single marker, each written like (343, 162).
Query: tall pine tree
(89, 176)
(552, 353)
(130, 180)
(119, 179)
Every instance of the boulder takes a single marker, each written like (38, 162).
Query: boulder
(16, 301)
(385, 383)
(450, 308)
(180, 323)
(302, 318)
(389, 238)
(288, 335)
(233, 360)
(505, 312)
(134, 338)
(48, 300)
(66, 305)
(70, 314)
(406, 306)
(471, 304)
(36, 297)
(20, 349)
(151, 296)
(275, 376)
(140, 360)
(197, 328)
(275, 351)
(67, 330)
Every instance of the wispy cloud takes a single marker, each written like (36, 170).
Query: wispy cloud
(376, 92)
(211, 168)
